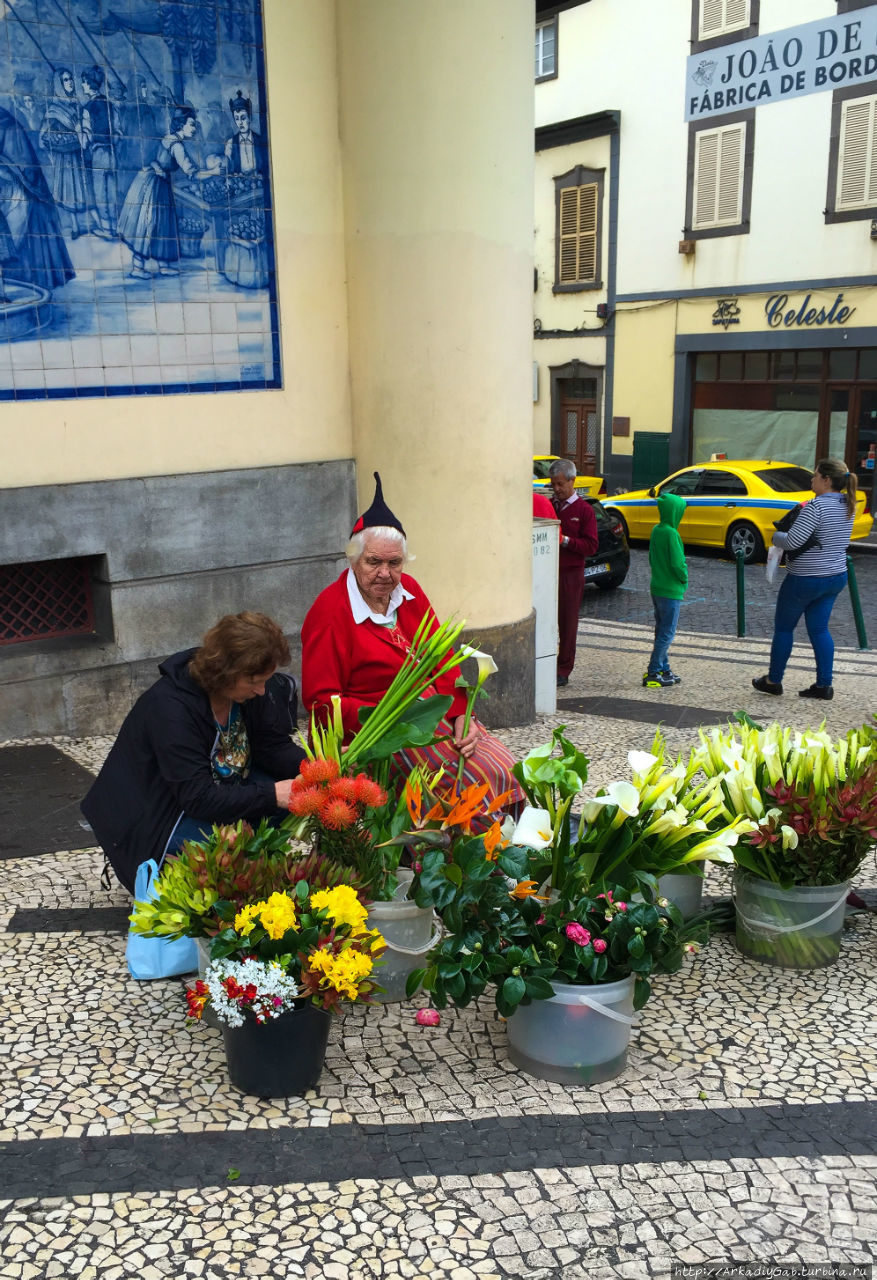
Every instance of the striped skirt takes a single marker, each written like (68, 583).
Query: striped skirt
(491, 763)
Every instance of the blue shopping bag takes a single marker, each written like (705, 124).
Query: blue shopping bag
(156, 957)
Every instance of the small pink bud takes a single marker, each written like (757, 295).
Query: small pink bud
(417, 867)
(427, 1017)
(541, 919)
(620, 906)
(599, 945)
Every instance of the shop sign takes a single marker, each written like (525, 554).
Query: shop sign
(782, 313)
(727, 312)
(830, 53)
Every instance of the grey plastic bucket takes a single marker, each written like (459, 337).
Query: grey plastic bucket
(578, 1036)
(686, 891)
(409, 931)
(797, 928)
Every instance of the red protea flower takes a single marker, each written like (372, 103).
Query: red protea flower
(306, 801)
(337, 814)
(318, 771)
(368, 793)
(343, 789)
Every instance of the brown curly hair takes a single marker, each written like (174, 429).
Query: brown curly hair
(241, 644)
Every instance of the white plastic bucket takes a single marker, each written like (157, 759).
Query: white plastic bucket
(578, 1036)
(410, 932)
(797, 928)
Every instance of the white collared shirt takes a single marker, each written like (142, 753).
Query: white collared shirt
(361, 610)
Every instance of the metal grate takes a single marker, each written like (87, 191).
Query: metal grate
(45, 600)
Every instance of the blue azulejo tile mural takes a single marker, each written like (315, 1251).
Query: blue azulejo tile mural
(136, 235)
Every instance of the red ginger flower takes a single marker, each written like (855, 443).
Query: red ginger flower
(318, 771)
(337, 814)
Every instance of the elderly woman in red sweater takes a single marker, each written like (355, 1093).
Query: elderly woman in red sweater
(356, 636)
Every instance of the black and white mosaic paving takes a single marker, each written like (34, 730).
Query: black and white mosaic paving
(744, 1127)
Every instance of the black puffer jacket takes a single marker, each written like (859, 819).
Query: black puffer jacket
(159, 766)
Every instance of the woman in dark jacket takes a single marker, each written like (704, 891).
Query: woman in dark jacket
(210, 742)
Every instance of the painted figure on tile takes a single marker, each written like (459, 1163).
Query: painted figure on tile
(148, 220)
(61, 135)
(33, 248)
(99, 133)
(244, 150)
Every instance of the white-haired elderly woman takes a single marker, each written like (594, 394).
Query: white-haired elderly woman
(357, 634)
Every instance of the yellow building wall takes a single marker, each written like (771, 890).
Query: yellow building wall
(440, 286)
(66, 441)
(644, 362)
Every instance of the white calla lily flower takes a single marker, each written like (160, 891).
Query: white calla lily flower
(533, 829)
(641, 761)
(486, 665)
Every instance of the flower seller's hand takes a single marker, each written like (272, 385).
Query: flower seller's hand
(466, 746)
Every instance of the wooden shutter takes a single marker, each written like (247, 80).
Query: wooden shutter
(578, 234)
(857, 156)
(719, 16)
(718, 177)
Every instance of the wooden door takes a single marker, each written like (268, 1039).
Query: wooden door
(578, 429)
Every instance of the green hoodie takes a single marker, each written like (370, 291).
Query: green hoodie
(666, 554)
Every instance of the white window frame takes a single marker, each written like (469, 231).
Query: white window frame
(729, 170)
(857, 155)
(721, 17)
(541, 71)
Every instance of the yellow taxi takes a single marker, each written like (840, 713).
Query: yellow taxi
(590, 486)
(728, 504)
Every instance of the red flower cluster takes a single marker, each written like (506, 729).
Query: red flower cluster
(334, 800)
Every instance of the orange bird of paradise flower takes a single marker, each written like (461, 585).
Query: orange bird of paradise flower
(493, 841)
(524, 889)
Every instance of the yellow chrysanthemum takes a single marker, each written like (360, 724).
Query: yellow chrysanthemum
(343, 906)
(276, 916)
(344, 972)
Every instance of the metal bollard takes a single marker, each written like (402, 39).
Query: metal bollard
(857, 604)
(741, 595)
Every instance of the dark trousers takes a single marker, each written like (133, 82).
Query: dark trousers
(570, 585)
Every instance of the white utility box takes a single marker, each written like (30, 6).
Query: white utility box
(546, 554)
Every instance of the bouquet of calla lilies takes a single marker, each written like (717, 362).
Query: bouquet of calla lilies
(811, 800)
(555, 897)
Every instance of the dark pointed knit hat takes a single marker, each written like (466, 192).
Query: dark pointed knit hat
(378, 513)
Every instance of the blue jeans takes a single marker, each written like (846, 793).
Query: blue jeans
(666, 622)
(814, 597)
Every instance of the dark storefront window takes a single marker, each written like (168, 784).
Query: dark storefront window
(782, 405)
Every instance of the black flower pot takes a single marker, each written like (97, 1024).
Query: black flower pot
(278, 1058)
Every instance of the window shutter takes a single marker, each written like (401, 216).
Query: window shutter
(856, 169)
(719, 16)
(718, 177)
(578, 234)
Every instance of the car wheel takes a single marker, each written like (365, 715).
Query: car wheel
(616, 515)
(744, 537)
(609, 584)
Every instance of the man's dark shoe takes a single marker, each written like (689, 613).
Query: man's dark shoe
(561, 681)
(824, 691)
(763, 685)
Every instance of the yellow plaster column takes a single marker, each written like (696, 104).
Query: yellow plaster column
(436, 136)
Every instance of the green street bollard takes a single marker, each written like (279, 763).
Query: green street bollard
(741, 595)
(857, 604)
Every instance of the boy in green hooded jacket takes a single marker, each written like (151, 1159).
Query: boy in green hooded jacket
(669, 580)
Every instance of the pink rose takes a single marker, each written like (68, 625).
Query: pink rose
(427, 1017)
(620, 906)
(599, 946)
(578, 934)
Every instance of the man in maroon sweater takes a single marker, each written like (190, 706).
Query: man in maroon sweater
(578, 540)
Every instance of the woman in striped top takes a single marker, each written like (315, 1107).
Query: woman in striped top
(815, 577)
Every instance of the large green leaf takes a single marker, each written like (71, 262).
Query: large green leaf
(418, 728)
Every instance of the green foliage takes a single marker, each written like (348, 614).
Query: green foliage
(208, 881)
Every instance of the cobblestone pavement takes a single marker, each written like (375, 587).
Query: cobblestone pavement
(742, 1129)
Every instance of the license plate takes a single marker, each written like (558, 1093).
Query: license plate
(592, 570)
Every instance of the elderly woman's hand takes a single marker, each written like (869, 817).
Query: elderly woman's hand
(282, 791)
(466, 746)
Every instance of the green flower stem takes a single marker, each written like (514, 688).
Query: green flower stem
(467, 720)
